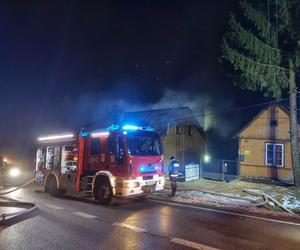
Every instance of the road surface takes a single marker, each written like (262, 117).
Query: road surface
(61, 223)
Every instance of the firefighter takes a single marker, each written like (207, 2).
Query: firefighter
(173, 174)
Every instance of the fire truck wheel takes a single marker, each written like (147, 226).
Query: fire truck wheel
(52, 187)
(104, 194)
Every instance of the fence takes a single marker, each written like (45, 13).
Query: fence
(189, 172)
(224, 170)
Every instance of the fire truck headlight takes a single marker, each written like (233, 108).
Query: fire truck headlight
(14, 172)
(132, 184)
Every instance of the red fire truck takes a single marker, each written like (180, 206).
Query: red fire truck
(121, 161)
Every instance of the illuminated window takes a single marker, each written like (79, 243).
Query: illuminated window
(274, 154)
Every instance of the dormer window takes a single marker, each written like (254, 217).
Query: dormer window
(273, 123)
(178, 130)
(190, 131)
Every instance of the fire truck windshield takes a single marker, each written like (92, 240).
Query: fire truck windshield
(146, 144)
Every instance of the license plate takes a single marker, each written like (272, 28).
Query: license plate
(149, 183)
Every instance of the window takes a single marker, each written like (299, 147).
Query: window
(274, 154)
(273, 123)
(143, 144)
(178, 130)
(115, 147)
(190, 130)
(95, 146)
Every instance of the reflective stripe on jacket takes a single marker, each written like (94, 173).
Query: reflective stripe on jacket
(174, 168)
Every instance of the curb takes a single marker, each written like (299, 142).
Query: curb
(243, 209)
(214, 193)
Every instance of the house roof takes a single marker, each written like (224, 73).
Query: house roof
(161, 119)
(284, 109)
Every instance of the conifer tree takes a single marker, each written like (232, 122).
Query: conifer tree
(262, 50)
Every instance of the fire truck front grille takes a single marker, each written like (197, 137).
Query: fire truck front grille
(148, 177)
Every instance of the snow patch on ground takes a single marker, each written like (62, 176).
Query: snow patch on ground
(195, 196)
(245, 197)
(290, 202)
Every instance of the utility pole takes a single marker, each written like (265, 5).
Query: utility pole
(294, 124)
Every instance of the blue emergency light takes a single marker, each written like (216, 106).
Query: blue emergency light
(148, 169)
(134, 127)
(130, 127)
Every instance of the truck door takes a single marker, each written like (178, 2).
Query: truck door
(116, 155)
(94, 154)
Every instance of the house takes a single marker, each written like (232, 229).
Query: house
(181, 134)
(264, 145)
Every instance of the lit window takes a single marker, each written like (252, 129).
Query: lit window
(274, 154)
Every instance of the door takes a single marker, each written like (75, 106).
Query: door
(94, 155)
(116, 154)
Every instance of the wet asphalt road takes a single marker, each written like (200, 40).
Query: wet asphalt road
(60, 223)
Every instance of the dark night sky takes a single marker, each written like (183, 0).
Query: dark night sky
(58, 58)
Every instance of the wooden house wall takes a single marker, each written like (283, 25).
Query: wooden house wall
(260, 128)
(186, 148)
(252, 143)
(254, 160)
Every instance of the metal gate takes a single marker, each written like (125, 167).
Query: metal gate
(189, 172)
(223, 170)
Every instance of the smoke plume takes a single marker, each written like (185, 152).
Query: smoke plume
(104, 108)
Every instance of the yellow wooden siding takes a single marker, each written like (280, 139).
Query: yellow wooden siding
(183, 145)
(266, 172)
(260, 127)
(253, 141)
(254, 152)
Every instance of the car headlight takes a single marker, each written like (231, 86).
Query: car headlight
(14, 172)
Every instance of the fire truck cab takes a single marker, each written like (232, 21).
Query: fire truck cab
(121, 161)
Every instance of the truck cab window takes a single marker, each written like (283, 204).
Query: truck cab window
(115, 147)
(95, 146)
